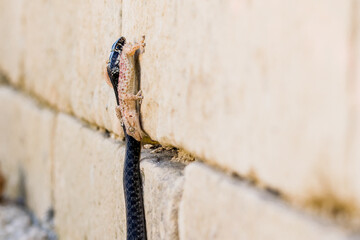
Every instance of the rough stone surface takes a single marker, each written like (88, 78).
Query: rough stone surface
(12, 44)
(215, 206)
(88, 175)
(16, 223)
(58, 160)
(268, 89)
(88, 192)
(25, 154)
(163, 188)
(264, 89)
(257, 88)
(64, 63)
(10, 140)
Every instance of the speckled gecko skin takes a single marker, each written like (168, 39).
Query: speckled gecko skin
(126, 111)
(127, 88)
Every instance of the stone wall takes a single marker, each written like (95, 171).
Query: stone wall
(264, 94)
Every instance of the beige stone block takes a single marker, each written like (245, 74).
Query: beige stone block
(59, 50)
(65, 61)
(89, 200)
(38, 163)
(63, 162)
(12, 42)
(26, 142)
(11, 141)
(216, 206)
(257, 88)
(163, 188)
(88, 193)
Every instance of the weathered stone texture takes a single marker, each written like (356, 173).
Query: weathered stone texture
(11, 140)
(25, 154)
(255, 87)
(262, 88)
(59, 51)
(215, 206)
(88, 192)
(61, 163)
(163, 188)
(12, 42)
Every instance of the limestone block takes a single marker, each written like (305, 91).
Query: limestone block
(11, 150)
(89, 201)
(215, 206)
(79, 171)
(12, 42)
(25, 155)
(88, 192)
(257, 88)
(163, 188)
(65, 61)
(38, 129)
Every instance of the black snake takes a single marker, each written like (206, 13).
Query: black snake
(135, 216)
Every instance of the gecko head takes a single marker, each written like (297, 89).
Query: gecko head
(138, 135)
(132, 127)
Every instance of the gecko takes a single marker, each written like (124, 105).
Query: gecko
(121, 63)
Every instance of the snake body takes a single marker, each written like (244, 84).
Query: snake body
(135, 216)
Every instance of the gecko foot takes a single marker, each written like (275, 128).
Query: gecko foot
(118, 114)
(131, 97)
(142, 45)
(130, 48)
(140, 96)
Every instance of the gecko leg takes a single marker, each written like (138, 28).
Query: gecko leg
(127, 96)
(131, 49)
(118, 114)
(139, 94)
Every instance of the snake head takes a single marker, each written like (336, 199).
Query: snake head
(113, 64)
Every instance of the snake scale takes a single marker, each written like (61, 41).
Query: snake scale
(121, 74)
